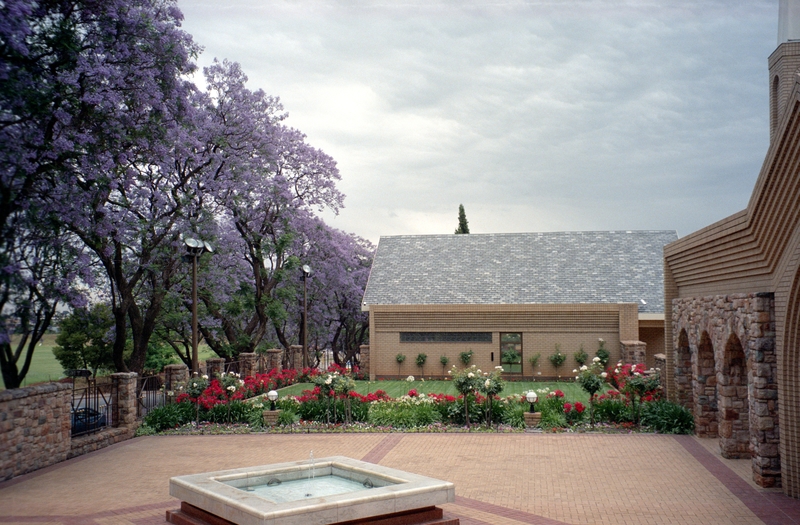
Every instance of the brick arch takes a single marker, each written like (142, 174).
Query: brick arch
(705, 389)
(732, 386)
(683, 371)
(790, 398)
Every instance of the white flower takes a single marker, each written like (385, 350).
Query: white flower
(538, 373)
(576, 378)
(170, 393)
(600, 340)
(470, 375)
(498, 368)
(205, 377)
(488, 383)
(232, 388)
(574, 371)
(619, 363)
(231, 374)
(604, 375)
(449, 372)
(584, 368)
(616, 370)
(410, 378)
(596, 360)
(637, 374)
(329, 380)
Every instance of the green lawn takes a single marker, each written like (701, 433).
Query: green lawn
(572, 391)
(44, 366)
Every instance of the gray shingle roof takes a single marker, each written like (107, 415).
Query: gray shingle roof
(521, 268)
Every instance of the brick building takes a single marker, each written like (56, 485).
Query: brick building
(498, 295)
(732, 293)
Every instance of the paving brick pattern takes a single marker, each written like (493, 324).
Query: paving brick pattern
(500, 479)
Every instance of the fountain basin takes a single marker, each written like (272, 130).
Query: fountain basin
(243, 496)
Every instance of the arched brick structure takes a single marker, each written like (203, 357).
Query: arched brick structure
(734, 406)
(704, 381)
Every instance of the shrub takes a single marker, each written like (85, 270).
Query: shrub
(552, 420)
(399, 358)
(534, 360)
(233, 412)
(602, 353)
(612, 408)
(580, 356)
(169, 416)
(558, 358)
(444, 360)
(407, 412)
(667, 417)
(574, 412)
(466, 357)
(421, 358)
(514, 414)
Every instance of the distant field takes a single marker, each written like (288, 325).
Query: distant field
(44, 366)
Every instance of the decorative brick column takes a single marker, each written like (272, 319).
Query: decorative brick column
(296, 357)
(247, 364)
(123, 393)
(215, 367)
(633, 352)
(363, 359)
(532, 419)
(274, 360)
(175, 376)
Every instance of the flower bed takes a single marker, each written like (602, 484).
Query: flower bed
(332, 405)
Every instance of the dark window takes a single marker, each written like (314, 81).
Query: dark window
(445, 337)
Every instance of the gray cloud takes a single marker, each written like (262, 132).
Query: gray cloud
(547, 115)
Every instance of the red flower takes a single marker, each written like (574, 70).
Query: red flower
(412, 392)
(579, 407)
(567, 407)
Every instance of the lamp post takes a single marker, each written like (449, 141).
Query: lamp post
(194, 249)
(272, 395)
(531, 398)
(306, 273)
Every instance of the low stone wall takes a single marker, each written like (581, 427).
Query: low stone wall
(35, 428)
(81, 445)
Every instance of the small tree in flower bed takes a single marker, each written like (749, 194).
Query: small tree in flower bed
(467, 383)
(591, 379)
(637, 385)
(490, 386)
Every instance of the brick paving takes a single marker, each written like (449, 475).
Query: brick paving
(505, 479)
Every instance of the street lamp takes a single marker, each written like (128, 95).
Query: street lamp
(272, 395)
(306, 273)
(194, 249)
(531, 398)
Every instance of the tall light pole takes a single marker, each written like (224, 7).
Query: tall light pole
(306, 273)
(194, 249)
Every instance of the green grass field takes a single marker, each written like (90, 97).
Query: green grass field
(572, 391)
(44, 366)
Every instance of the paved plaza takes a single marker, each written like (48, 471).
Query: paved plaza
(500, 479)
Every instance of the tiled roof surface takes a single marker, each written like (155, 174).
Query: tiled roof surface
(521, 268)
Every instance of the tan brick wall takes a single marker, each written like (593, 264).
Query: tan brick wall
(542, 327)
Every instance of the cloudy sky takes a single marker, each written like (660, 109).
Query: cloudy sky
(539, 115)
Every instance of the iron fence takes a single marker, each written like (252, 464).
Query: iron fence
(91, 404)
(149, 395)
(232, 366)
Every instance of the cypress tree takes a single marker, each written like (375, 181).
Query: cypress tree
(463, 227)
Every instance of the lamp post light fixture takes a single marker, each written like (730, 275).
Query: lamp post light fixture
(194, 249)
(531, 398)
(306, 273)
(272, 395)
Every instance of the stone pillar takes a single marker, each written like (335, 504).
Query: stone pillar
(296, 357)
(274, 360)
(633, 352)
(363, 358)
(661, 368)
(763, 384)
(215, 367)
(247, 364)
(175, 376)
(123, 394)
